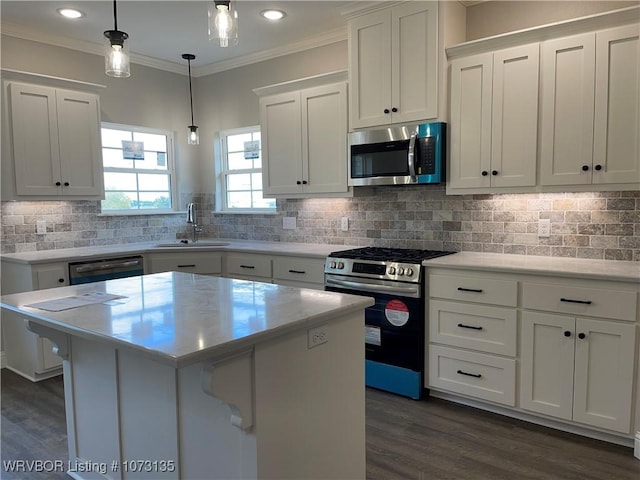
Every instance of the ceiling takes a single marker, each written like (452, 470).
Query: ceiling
(161, 31)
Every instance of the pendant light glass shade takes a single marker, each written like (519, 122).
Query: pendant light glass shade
(223, 23)
(193, 138)
(116, 55)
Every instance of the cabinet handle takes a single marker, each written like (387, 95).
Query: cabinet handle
(473, 290)
(582, 302)
(394, 109)
(485, 173)
(298, 182)
(66, 184)
(598, 167)
(567, 333)
(582, 336)
(61, 280)
(494, 172)
(191, 265)
(301, 272)
(386, 110)
(585, 168)
(247, 266)
(471, 327)
(304, 182)
(58, 184)
(475, 375)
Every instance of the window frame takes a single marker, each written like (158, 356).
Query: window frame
(222, 164)
(170, 171)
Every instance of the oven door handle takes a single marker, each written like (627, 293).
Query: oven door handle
(368, 287)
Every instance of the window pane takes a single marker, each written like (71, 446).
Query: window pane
(153, 182)
(120, 181)
(150, 162)
(113, 158)
(155, 200)
(235, 143)
(239, 199)
(119, 201)
(239, 182)
(259, 202)
(152, 141)
(113, 138)
(238, 162)
(256, 181)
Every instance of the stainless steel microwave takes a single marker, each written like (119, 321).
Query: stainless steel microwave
(411, 154)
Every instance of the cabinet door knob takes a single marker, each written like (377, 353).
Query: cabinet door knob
(494, 172)
(66, 184)
(567, 333)
(304, 182)
(58, 184)
(298, 182)
(394, 109)
(61, 280)
(598, 167)
(386, 110)
(582, 336)
(585, 168)
(485, 173)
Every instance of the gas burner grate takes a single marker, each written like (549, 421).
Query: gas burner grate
(401, 255)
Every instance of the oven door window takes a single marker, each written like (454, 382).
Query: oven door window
(388, 159)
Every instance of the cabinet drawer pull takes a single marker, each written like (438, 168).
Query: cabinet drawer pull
(191, 265)
(474, 290)
(301, 272)
(471, 327)
(474, 375)
(248, 266)
(582, 302)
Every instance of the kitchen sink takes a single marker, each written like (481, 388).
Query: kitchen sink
(190, 244)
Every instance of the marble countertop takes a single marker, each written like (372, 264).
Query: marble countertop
(248, 246)
(555, 266)
(182, 318)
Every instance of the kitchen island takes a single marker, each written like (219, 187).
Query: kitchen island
(176, 375)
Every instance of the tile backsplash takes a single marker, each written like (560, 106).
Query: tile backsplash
(585, 225)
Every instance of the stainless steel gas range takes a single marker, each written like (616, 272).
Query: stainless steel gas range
(395, 325)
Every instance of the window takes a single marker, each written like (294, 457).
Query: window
(241, 171)
(138, 169)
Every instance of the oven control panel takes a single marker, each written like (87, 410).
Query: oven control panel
(373, 269)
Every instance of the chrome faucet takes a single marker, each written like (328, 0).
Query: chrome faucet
(192, 218)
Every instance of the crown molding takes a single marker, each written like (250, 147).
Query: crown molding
(326, 38)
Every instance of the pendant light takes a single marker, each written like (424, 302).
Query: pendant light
(116, 57)
(223, 23)
(192, 135)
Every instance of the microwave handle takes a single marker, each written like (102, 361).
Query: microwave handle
(411, 158)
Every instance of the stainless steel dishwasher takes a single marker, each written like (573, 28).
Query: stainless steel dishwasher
(105, 269)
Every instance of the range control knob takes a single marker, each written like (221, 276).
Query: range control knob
(333, 265)
(400, 271)
(409, 271)
(340, 265)
(392, 270)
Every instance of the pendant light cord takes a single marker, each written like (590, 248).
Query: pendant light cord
(190, 92)
(115, 16)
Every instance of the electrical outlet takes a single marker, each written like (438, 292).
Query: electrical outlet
(289, 223)
(41, 227)
(317, 336)
(544, 228)
(344, 224)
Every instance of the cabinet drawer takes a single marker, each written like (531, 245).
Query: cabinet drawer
(488, 329)
(309, 270)
(474, 288)
(474, 374)
(604, 302)
(203, 263)
(253, 265)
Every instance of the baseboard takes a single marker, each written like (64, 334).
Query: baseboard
(636, 447)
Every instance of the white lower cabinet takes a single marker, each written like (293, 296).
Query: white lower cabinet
(248, 266)
(204, 263)
(578, 369)
(299, 272)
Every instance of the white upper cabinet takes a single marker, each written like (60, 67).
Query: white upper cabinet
(56, 142)
(393, 65)
(591, 108)
(304, 135)
(494, 119)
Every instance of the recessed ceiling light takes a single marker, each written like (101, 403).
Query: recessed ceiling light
(70, 13)
(273, 14)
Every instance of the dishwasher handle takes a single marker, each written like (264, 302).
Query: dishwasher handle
(99, 267)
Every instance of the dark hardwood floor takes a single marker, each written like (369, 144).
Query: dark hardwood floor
(406, 440)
